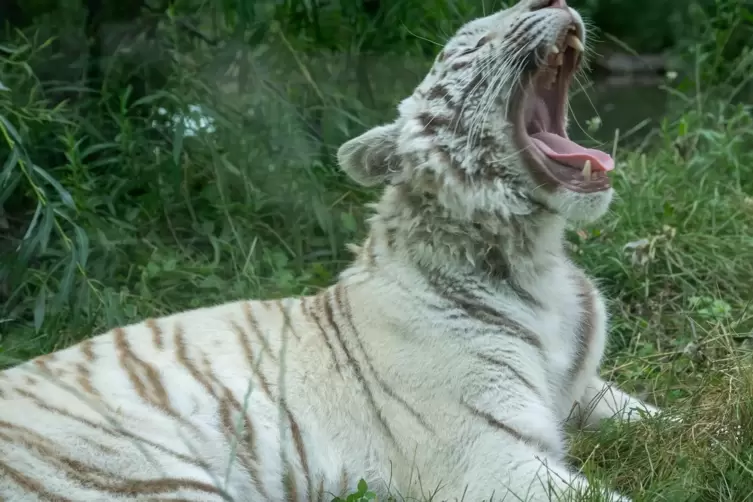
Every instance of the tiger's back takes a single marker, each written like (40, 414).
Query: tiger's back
(155, 407)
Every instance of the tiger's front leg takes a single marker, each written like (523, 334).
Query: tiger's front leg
(513, 470)
(604, 400)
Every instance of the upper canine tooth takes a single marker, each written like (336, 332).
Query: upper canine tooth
(554, 49)
(574, 42)
(587, 171)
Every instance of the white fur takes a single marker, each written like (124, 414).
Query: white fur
(409, 372)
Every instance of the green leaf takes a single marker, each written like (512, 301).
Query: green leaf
(45, 229)
(39, 309)
(348, 222)
(362, 486)
(82, 241)
(7, 126)
(10, 164)
(66, 284)
(97, 148)
(34, 221)
(65, 195)
(178, 135)
(148, 100)
(9, 189)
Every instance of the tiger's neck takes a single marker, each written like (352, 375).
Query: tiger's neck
(418, 230)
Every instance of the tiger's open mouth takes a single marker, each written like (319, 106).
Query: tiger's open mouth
(540, 128)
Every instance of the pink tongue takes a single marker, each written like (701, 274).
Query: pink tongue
(566, 152)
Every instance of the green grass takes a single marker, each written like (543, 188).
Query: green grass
(108, 218)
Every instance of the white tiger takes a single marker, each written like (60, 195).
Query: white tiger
(444, 361)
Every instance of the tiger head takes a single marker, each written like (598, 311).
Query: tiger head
(484, 133)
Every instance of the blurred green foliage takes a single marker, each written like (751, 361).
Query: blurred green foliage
(102, 188)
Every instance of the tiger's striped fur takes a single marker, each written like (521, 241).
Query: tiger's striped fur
(446, 359)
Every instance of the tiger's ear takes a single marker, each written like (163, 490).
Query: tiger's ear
(371, 158)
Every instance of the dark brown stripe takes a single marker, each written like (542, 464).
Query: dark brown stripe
(256, 329)
(298, 441)
(181, 354)
(311, 315)
(475, 85)
(157, 335)
(288, 484)
(84, 380)
(475, 308)
(353, 363)
(524, 295)
(371, 251)
(73, 469)
(343, 482)
(586, 327)
(161, 486)
(521, 30)
(30, 485)
(209, 370)
(344, 307)
(246, 450)
(391, 238)
(287, 321)
(320, 491)
(98, 446)
(484, 40)
(20, 429)
(497, 424)
(115, 433)
(41, 364)
(92, 477)
(440, 91)
(516, 25)
(508, 367)
(87, 349)
(432, 124)
(153, 393)
(465, 32)
(248, 352)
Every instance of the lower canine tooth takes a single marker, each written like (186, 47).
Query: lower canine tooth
(587, 171)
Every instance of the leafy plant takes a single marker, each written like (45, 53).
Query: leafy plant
(362, 494)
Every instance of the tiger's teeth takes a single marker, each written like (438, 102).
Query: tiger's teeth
(587, 171)
(574, 42)
(559, 59)
(554, 49)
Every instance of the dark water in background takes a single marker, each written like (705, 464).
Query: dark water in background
(633, 106)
